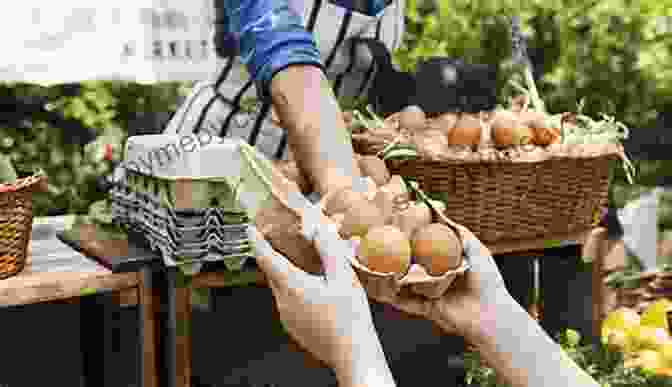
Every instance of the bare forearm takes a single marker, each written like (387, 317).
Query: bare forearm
(521, 353)
(368, 368)
(317, 133)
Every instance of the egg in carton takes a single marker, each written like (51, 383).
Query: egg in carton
(396, 229)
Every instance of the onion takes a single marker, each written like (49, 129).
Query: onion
(508, 130)
(412, 118)
(467, 131)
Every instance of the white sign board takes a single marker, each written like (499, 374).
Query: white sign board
(146, 41)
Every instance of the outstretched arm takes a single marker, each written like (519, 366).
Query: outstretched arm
(283, 59)
(520, 351)
(479, 308)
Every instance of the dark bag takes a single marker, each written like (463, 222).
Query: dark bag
(439, 85)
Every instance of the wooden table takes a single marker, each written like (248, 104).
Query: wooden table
(180, 300)
(55, 273)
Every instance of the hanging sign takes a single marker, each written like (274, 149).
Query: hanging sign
(145, 41)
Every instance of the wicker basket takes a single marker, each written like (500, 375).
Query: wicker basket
(521, 193)
(16, 223)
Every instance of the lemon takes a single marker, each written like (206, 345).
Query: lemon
(655, 315)
(647, 360)
(666, 353)
(617, 339)
(622, 319)
(649, 338)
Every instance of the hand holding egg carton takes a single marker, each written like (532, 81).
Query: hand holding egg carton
(403, 238)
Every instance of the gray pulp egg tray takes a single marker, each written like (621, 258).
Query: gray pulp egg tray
(182, 236)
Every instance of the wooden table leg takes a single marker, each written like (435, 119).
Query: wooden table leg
(178, 330)
(148, 301)
(595, 250)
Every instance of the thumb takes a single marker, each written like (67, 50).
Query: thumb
(334, 251)
(275, 266)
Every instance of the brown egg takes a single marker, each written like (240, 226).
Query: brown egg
(415, 217)
(444, 123)
(467, 131)
(361, 217)
(385, 250)
(437, 248)
(375, 168)
(341, 201)
(412, 118)
(397, 187)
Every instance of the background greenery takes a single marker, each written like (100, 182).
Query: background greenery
(615, 53)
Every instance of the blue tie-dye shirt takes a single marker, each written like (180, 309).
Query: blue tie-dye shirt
(271, 36)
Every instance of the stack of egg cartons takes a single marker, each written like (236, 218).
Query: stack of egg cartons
(181, 195)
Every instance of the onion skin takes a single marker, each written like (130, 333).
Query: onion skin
(509, 130)
(413, 119)
(444, 123)
(467, 131)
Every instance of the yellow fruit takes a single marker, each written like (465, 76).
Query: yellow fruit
(655, 315)
(664, 372)
(385, 249)
(437, 248)
(616, 339)
(644, 337)
(666, 353)
(647, 359)
(621, 319)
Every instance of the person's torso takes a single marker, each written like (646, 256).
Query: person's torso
(239, 113)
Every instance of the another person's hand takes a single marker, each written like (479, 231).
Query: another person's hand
(479, 308)
(328, 315)
(459, 311)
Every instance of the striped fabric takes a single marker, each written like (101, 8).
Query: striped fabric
(217, 104)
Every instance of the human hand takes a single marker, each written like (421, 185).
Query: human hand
(327, 315)
(460, 309)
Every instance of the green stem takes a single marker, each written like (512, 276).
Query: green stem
(7, 171)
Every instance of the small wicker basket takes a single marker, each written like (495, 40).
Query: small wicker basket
(16, 222)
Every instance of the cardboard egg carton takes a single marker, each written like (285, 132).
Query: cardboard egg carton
(416, 278)
(179, 194)
(183, 236)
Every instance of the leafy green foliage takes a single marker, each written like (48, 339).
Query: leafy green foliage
(110, 108)
(602, 363)
(613, 53)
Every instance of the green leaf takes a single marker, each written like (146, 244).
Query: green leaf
(400, 154)
(552, 243)
(87, 292)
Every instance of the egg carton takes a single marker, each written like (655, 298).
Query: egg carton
(192, 197)
(416, 278)
(187, 236)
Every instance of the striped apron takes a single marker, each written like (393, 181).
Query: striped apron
(226, 105)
